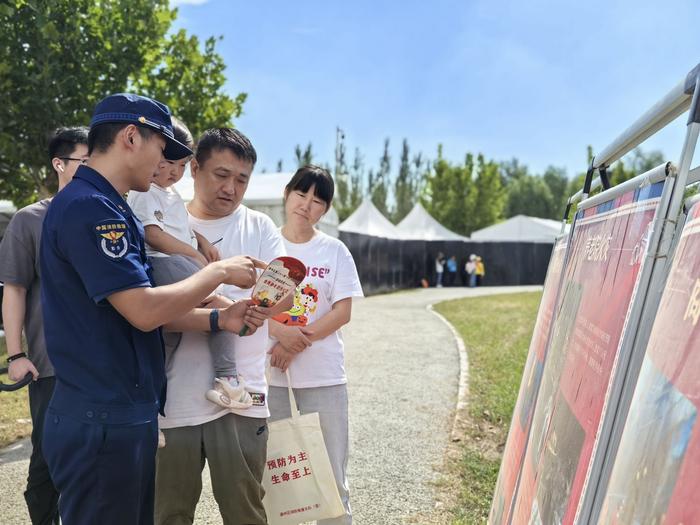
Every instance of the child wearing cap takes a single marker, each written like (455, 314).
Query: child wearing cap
(176, 252)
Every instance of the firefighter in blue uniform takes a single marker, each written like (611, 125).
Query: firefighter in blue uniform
(102, 317)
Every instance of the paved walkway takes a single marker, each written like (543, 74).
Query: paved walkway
(403, 369)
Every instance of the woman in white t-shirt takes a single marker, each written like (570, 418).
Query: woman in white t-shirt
(307, 339)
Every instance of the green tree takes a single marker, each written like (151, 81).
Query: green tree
(490, 194)
(512, 170)
(305, 156)
(449, 193)
(60, 57)
(529, 195)
(421, 169)
(556, 180)
(342, 181)
(404, 186)
(380, 185)
(435, 197)
(190, 82)
(462, 198)
(356, 178)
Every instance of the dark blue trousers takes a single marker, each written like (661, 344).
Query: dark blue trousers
(41, 495)
(105, 474)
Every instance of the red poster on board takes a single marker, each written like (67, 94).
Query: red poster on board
(607, 249)
(522, 415)
(657, 467)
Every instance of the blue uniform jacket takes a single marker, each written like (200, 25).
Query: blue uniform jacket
(107, 371)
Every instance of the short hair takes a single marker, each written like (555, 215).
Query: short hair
(225, 138)
(315, 176)
(63, 141)
(102, 136)
(182, 133)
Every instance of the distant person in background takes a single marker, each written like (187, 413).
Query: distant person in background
(21, 306)
(439, 269)
(470, 268)
(452, 271)
(480, 271)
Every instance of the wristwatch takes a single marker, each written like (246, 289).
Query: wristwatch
(214, 320)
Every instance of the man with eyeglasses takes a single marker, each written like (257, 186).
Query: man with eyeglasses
(21, 306)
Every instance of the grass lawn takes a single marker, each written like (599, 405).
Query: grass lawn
(496, 331)
(15, 422)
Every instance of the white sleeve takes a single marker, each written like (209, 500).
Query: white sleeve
(145, 205)
(271, 243)
(347, 282)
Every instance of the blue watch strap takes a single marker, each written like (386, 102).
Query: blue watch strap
(214, 320)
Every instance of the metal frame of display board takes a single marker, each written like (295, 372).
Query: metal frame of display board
(651, 280)
(664, 172)
(675, 103)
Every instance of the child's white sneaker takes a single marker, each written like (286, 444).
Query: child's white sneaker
(230, 393)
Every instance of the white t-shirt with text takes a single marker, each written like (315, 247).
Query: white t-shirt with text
(331, 275)
(189, 369)
(162, 207)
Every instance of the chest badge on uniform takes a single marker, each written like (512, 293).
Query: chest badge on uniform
(111, 235)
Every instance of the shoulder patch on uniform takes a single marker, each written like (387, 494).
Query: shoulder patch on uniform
(112, 239)
(158, 215)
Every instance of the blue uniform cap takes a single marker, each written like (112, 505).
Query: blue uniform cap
(142, 111)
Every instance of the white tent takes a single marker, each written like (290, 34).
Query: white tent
(6, 207)
(520, 228)
(265, 194)
(368, 220)
(420, 225)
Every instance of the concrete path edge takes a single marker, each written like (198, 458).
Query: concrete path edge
(463, 390)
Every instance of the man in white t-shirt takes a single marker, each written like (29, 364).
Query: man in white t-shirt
(175, 252)
(234, 442)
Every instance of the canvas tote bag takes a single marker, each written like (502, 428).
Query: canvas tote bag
(298, 478)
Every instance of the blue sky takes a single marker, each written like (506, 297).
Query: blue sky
(537, 80)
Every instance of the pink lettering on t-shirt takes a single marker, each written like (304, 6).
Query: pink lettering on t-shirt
(314, 271)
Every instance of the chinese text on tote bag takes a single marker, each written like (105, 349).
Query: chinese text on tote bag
(298, 479)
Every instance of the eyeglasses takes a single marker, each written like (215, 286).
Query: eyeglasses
(82, 161)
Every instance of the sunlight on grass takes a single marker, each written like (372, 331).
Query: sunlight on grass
(496, 331)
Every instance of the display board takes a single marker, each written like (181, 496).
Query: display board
(657, 467)
(532, 374)
(608, 248)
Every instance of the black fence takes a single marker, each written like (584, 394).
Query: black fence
(389, 264)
